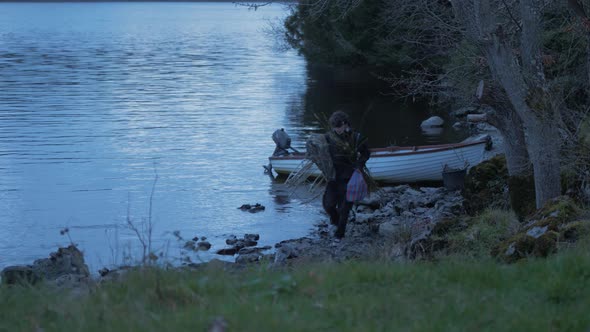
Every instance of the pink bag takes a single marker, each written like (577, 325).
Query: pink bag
(357, 188)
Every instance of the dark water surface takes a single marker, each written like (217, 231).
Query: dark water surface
(97, 98)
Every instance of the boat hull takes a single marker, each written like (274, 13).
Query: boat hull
(404, 164)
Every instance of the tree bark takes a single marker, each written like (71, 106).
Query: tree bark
(543, 148)
(532, 105)
(515, 148)
(504, 118)
(524, 84)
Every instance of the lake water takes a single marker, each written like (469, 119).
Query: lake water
(98, 98)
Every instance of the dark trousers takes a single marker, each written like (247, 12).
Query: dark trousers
(335, 204)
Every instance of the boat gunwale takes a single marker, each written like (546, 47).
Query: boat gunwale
(413, 150)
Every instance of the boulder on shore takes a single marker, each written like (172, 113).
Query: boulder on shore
(435, 121)
(66, 265)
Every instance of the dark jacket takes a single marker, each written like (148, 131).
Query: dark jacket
(348, 151)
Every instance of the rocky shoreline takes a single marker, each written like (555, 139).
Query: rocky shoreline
(392, 223)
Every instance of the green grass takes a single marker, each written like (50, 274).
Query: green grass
(449, 295)
(485, 231)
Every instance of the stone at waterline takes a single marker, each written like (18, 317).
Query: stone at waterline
(227, 251)
(252, 250)
(252, 208)
(435, 121)
(245, 243)
(251, 237)
(19, 274)
(231, 240)
(68, 260)
(104, 271)
(291, 249)
(65, 263)
(203, 245)
(190, 245)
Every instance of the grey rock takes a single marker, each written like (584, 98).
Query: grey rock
(510, 250)
(362, 218)
(228, 251)
(231, 240)
(408, 214)
(19, 274)
(373, 202)
(251, 237)
(247, 251)
(104, 271)
(68, 260)
(420, 210)
(252, 208)
(434, 121)
(388, 229)
(245, 243)
(291, 249)
(537, 231)
(70, 281)
(203, 246)
(62, 265)
(219, 324)
(248, 258)
(190, 245)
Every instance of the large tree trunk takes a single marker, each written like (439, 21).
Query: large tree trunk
(544, 151)
(521, 183)
(504, 118)
(539, 120)
(515, 148)
(524, 83)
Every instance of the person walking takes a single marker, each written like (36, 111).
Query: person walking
(348, 151)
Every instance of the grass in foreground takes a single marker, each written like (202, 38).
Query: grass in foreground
(452, 294)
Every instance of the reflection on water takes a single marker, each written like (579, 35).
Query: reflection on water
(99, 99)
(433, 132)
(381, 117)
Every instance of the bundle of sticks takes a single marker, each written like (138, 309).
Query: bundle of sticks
(318, 154)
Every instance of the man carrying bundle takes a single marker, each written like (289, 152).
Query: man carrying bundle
(349, 152)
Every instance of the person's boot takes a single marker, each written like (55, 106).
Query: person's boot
(334, 218)
(341, 230)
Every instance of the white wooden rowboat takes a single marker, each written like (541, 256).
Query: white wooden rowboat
(405, 164)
